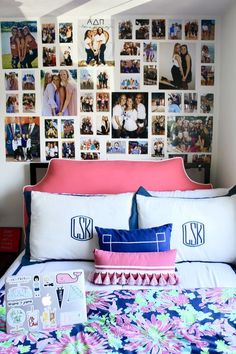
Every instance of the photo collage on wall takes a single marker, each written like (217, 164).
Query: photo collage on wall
(63, 99)
(161, 56)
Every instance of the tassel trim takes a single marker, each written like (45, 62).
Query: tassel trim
(133, 279)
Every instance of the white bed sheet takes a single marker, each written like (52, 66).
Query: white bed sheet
(192, 275)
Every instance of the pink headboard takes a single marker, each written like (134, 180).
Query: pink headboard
(94, 177)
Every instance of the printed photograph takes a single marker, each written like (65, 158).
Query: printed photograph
(90, 155)
(183, 156)
(22, 139)
(68, 149)
(158, 125)
(86, 126)
(86, 102)
(189, 134)
(89, 144)
(177, 66)
(158, 102)
(191, 30)
(190, 102)
(207, 103)
(207, 75)
(142, 29)
(103, 80)
(28, 80)
(158, 29)
(51, 150)
(129, 82)
(158, 147)
(174, 103)
(103, 102)
(207, 53)
(150, 75)
(130, 66)
(103, 125)
(12, 103)
(95, 42)
(175, 29)
(67, 128)
(149, 51)
(59, 92)
(66, 55)
(86, 79)
(130, 48)
(19, 44)
(125, 29)
(208, 30)
(65, 32)
(129, 115)
(28, 102)
(116, 147)
(49, 56)
(139, 147)
(51, 128)
(48, 33)
(11, 81)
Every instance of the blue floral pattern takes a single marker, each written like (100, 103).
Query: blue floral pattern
(140, 321)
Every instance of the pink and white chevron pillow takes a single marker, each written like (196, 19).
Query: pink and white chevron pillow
(141, 268)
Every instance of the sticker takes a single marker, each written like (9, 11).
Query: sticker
(36, 286)
(19, 303)
(60, 294)
(19, 279)
(74, 293)
(19, 292)
(66, 278)
(16, 317)
(33, 319)
(47, 280)
(48, 318)
(46, 300)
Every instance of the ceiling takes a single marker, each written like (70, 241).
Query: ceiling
(80, 8)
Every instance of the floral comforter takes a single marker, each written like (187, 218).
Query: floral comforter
(140, 321)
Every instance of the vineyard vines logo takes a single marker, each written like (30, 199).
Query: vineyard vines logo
(81, 228)
(193, 233)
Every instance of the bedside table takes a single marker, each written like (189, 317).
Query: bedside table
(10, 241)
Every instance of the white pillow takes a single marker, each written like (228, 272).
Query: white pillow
(197, 193)
(63, 226)
(203, 229)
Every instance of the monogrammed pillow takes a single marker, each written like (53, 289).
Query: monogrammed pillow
(203, 229)
(63, 226)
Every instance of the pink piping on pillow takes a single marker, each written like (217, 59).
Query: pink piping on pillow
(141, 268)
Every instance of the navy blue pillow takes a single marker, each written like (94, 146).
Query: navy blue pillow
(133, 220)
(155, 239)
(232, 191)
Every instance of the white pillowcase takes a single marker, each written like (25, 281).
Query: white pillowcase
(197, 193)
(63, 226)
(203, 229)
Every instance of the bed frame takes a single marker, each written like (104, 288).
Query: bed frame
(93, 177)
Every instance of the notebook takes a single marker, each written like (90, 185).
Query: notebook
(45, 301)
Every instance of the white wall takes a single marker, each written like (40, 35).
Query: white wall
(226, 156)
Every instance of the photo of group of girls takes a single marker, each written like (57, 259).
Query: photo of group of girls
(190, 134)
(139, 147)
(22, 136)
(130, 48)
(59, 92)
(48, 33)
(95, 47)
(68, 150)
(19, 44)
(129, 115)
(89, 144)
